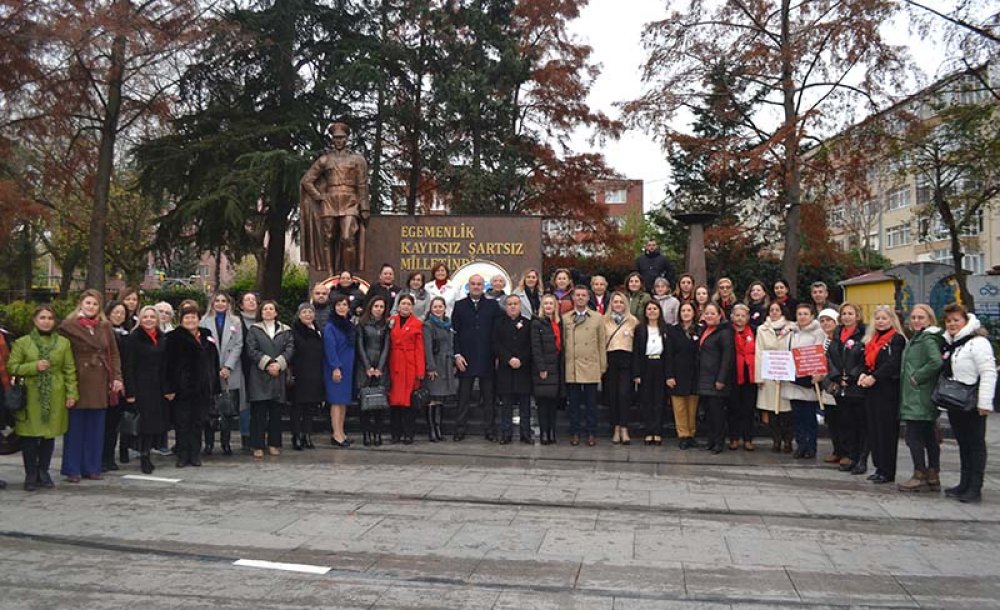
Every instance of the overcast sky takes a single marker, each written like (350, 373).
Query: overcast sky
(613, 28)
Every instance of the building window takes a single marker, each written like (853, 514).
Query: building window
(898, 235)
(973, 262)
(615, 196)
(898, 198)
(874, 243)
(836, 215)
(935, 229)
(925, 190)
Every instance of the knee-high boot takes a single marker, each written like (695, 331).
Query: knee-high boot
(29, 455)
(45, 448)
(429, 418)
(436, 420)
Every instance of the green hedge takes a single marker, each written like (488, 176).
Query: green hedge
(294, 290)
(16, 315)
(174, 296)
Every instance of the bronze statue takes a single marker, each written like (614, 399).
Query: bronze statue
(334, 207)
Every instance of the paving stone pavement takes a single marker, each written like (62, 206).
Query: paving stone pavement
(475, 525)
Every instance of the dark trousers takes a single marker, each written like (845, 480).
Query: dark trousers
(806, 426)
(402, 422)
(371, 422)
(781, 425)
(883, 435)
(465, 397)
(582, 396)
(969, 428)
(740, 412)
(83, 443)
(301, 416)
(189, 425)
(617, 387)
(652, 395)
(265, 418)
(147, 442)
(852, 421)
(507, 414)
(921, 438)
(715, 419)
(546, 415)
(36, 453)
(112, 423)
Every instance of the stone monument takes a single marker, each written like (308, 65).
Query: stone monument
(334, 208)
(696, 221)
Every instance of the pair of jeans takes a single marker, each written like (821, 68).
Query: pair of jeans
(806, 426)
(83, 444)
(582, 396)
(921, 438)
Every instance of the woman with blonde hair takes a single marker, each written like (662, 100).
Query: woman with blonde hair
(919, 374)
(99, 379)
(845, 358)
(619, 330)
(884, 343)
(529, 290)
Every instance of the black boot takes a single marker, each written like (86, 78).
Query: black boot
(181, 449)
(973, 494)
(29, 455)
(45, 448)
(377, 440)
(225, 436)
(958, 490)
(123, 446)
(147, 464)
(194, 449)
(429, 417)
(366, 439)
(209, 439)
(436, 421)
(296, 442)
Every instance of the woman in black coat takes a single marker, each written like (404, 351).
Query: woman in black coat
(682, 373)
(548, 374)
(372, 366)
(650, 353)
(190, 383)
(716, 363)
(308, 390)
(142, 368)
(884, 345)
(512, 349)
(845, 363)
(118, 314)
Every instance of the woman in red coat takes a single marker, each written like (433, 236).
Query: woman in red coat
(406, 368)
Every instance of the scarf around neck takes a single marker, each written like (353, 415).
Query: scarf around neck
(873, 347)
(44, 377)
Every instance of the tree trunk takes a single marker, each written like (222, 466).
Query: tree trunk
(28, 254)
(416, 126)
(792, 176)
(105, 162)
(954, 236)
(274, 258)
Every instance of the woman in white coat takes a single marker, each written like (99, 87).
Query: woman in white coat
(772, 335)
(227, 332)
(802, 393)
(442, 286)
(968, 359)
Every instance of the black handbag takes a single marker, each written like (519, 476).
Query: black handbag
(373, 398)
(130, 422)
(420, 397)
(225, 406)
(955, 395)
(16, 396)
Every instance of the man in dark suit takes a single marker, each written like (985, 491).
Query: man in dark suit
(472, 320)
(512, 347)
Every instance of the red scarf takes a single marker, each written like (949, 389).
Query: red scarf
(782, 300)
(152, 335)
(746, 356)
(873, 347)
(708, 331)
(558, 334)
(88, 322)
(600, 304)
(440, 283)
(846, 333)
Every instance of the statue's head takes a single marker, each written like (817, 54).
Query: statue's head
(339, 133)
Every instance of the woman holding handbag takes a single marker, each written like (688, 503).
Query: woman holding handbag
(406, 368)
(339, 338)
(548, 372)
(45, 361)
(439, 356)
(228, 332)
(968, 360)
(99, 378)
(308, 390)
(371, 368)
(143, 369)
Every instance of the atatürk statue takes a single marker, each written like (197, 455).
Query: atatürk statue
(334, 207)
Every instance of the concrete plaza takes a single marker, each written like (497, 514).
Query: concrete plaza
(476, 525)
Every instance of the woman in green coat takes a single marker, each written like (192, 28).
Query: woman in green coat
(921, 364)
(44, 359)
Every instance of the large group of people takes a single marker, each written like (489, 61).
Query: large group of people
(119, 377)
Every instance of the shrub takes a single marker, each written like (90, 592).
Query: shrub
(16, 315)
(174, 296)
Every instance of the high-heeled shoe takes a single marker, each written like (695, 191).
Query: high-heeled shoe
(227, 449)
(147, 465)
(626, 439)
(616, 437)
(657, 440)
(648, 440)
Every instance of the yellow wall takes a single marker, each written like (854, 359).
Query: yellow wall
(869, 296)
